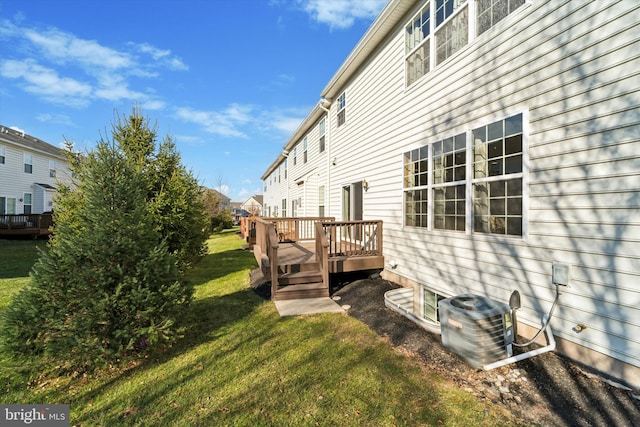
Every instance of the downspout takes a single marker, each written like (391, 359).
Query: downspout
(325, 104)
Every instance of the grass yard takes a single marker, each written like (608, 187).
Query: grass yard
(241, 364)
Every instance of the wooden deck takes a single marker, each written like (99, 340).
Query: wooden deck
(299, 254)
(26, 225)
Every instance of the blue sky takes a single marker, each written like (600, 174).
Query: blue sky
(229, 80)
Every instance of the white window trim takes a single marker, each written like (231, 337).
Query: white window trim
(469, 213)
(471, 37)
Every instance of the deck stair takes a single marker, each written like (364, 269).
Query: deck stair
(296, 281)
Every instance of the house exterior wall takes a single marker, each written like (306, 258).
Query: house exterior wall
(304, 179)
(15, 182)
(570, 69)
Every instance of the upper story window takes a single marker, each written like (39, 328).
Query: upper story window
(52, 169)
(342, 109)
(441, 28)
(2, 155)
(285, 168)
(452, 23)
(490, 12)
(279, 174)
(322, 138)
(28, 163)
(295, 155)
(304, 150)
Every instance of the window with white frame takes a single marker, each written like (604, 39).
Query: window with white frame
(453, 34)
(52, 169)
(321, 201)
(497, 177)
(417, 45)
(304, 150)
(490, 12)
(342, 109)
(441, 28)
(284, 207)
(430, 302)
(285, 169)
(295, 155)
(416, 194)
(440, 194)
(26, 204)
(28, 163)
(449, 183)
(321, 131)
(2, 155)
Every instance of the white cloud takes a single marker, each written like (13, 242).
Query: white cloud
(46, 82)
(342, 14)
(59, 119)
(153, 105)
(65, 48)
(162, 56)
(63, 68)
(225, 123)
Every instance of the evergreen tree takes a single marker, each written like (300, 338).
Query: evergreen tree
(107, 284)
(173, 194)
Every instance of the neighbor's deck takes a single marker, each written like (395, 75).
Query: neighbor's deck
(26, 225)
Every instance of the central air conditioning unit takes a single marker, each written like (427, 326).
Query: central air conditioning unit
(476, 328)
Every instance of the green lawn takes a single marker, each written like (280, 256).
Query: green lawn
(241, 364)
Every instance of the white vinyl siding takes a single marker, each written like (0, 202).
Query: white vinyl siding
(571, 68)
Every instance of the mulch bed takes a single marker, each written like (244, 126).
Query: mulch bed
(547, 389)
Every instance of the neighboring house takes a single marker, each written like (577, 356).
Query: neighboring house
(495, 140)
(29, 170)
(253, 205)
(236, 211)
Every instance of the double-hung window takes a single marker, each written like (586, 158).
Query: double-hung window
(284, 207)
(321, 131)
(490, 12)
(441, 28)
(449, 183)
(52, 169)
(497, 177)
(28, 163)
(2, 155)
(470, 182)
(26, 205)
(304, 150)
(417, 45)
(452, 28)
(416, 194)
(342, 109)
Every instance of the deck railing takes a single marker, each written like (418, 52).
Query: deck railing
(322, 253)
(297, 229)
(25, 223)
(334, 241)
(354, 238)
